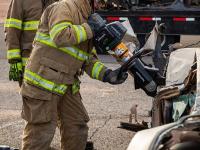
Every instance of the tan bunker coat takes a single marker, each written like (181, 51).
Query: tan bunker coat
(20, 27)
(62, 50)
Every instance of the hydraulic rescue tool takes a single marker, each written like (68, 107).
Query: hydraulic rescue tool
(109, 39)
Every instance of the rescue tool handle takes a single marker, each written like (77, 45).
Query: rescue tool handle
(127, 64)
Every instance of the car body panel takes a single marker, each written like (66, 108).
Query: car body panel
(143, 139)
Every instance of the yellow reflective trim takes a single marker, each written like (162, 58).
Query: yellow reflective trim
(75, 87)
(13, 23)
(73, 51)
(30, 25)
(37, 80)
(14, 54)
(24, 61)
(80, 33)
(83, 33)
(76, 33)
(58, 28)
(44, 38)
(96, 70)
(94, 51)
(19, 24)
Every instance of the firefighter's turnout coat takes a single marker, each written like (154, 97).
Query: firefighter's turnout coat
(62, 48)
(20, 27)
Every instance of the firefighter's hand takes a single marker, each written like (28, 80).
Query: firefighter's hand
(96, 23)
(16, 71)
(115, 77)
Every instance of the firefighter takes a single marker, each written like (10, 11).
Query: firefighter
(62, 52)
(20, 28)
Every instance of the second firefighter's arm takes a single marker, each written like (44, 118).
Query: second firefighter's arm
(63, 32)
(13, 30)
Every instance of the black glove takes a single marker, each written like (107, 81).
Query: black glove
(115, 77)
(96, 23)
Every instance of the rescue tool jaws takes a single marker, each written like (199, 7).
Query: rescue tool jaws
(109, 39)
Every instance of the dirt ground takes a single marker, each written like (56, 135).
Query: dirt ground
(3, 9)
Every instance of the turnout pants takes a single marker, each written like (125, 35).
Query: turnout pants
(43, 116)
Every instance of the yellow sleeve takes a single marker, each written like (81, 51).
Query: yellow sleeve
(13, 29)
